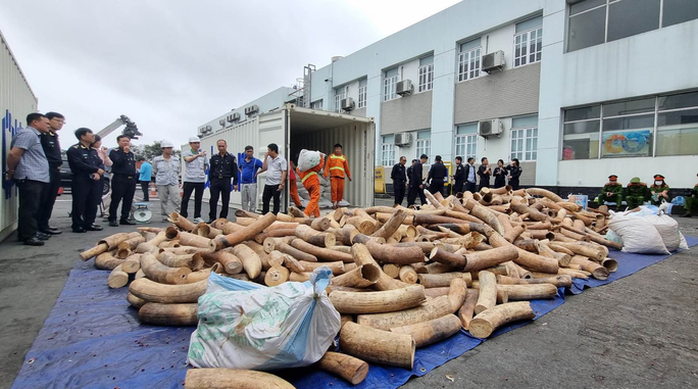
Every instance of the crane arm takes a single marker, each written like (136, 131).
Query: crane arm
(131, 129)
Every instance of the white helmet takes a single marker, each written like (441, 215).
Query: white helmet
(194, 139)
(166, 143)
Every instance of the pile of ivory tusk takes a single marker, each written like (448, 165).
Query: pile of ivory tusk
(402, 278)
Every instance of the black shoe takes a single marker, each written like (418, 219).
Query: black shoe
(113, 223)
(127, 222)
(687, 215)
(94, 227)
(79, 230)
(42, 236)
(34, 241)
(51, 231)
(210, 221)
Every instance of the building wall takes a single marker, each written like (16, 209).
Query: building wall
(406, 113)
(16, 101)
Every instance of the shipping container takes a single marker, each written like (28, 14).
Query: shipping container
(294, 128)
(16, 101)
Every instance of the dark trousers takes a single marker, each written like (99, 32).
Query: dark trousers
(29, 201)
(198, 189)
(122, 188)
(271, 191)
(471, 187)
(457, 187)
(86, 196)
(399, 189)
(437, 186)
(48, 198)
(413, 192)
(514, 182)
(145, 187)
(220, 187)
(484, 184)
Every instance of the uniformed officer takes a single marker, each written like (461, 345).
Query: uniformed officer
(416, 187)
(459, 176)
(636, 193)
(436, 176)
(223, 168)
(612, 191)
(659, 190)
(87, 171)
(691, 200)
(399, 180)
(123, 181)
(52, 149)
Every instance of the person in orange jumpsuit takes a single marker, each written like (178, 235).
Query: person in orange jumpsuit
(337, 167)
(311, 182)
(293, 187)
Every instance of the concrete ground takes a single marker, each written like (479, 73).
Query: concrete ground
(638, 332)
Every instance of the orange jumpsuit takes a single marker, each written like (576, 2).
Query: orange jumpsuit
(293, 189)
(337, 167)
(311, 182)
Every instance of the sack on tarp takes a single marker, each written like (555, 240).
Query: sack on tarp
(243, 325)
(668, 229)
(308, 159)
(638, 234)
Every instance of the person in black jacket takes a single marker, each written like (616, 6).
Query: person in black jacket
(470, 176)
(86, 181)
(399, 180)
(514, 173)
(500, 174)
(459, 176)
(484, 173)
(52, 149)
(223, 167)
(123, 182)
(436, 176)
(416, 185)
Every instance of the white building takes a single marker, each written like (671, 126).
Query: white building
(584, 88)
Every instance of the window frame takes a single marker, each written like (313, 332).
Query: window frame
(338, 97)
(389, 87)
(426, 77)
(465, 58)
(387, 150)
(423, 145)
(523, 130)
(537, 56)
(363, 92)
(317, 104)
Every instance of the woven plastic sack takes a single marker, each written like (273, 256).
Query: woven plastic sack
(638, 234)
(247, 326)
(668, 229)
(308, 159)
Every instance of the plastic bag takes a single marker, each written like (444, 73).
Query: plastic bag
(308, 159)
(668, 229)
(638, 234)
(247, 326)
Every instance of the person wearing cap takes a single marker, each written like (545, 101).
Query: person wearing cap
(659, 190)
(311, 182)
(636, 193)
(86, 185)
(166, 168)
(417, 182)
(612, 191)
(337, 168)
(145, 171)
(123, 182)
(691, 200)
(224, 167)
(194, 178)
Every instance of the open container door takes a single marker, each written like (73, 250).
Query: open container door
(320, 130)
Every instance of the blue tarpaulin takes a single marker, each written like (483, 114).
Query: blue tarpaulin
(92, 338)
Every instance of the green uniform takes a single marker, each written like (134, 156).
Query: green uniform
(617, 193)
(636, 194)
(692, 200)
(655, 190)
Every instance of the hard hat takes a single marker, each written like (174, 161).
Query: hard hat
(165, 144)
(194, 139)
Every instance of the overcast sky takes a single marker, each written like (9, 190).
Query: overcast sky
(171, 65)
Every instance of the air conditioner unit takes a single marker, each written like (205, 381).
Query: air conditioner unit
(403, 139)
(493, 61)
(348, 104)
(233, 117)
(404, 87)
(221, 122)
(202, 130)
(490, 127)
(251, 109)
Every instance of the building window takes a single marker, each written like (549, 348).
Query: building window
(423, 143)
(316, 104)
(629, 129)
(426, 74)
(363, 92)
(466, 141)
(528, 42)
(469, 63)
(389, 84)
(338, 97)
(524, 138)
(388, 150)
(593, 22)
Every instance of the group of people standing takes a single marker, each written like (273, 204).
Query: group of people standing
(465, 178)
